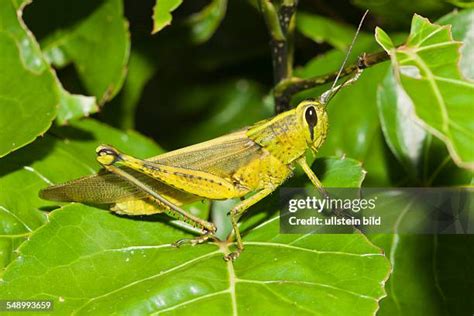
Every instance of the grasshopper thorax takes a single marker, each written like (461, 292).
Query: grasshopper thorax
(288, 135)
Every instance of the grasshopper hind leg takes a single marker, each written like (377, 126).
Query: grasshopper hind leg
(108, 156)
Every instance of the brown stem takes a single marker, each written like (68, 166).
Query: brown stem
(286, 89)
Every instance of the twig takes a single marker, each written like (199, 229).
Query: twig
(285, 89)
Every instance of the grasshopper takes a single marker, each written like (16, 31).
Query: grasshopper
(256, 159)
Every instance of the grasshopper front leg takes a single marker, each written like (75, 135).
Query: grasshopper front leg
(314, 179)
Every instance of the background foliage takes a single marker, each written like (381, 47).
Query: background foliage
(207, 70)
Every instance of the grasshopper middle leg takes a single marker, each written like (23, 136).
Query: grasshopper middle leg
(235, 214)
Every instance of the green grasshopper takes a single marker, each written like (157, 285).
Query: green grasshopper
(256, 159)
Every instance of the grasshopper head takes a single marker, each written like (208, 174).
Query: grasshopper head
(313, 120)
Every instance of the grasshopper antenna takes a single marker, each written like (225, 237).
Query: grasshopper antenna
(326, 96)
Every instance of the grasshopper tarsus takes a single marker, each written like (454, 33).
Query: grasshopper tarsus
(194, 241)
(233, 255)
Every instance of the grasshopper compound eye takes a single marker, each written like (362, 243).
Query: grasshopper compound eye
(311, 118)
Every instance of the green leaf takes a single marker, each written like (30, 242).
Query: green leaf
(29, 94)
(205, 23)
(148, 273)
(421, 156)
(402, 132)
(74, 106)
(462, 3)
(321, 29)
(463, 30)
(427, 69)
(99, 48)
(383, 39)
(412, 288)
(162, 13)
(52, 159)
(339, 172)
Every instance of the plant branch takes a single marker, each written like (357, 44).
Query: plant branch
(287, 88)
(281, 24)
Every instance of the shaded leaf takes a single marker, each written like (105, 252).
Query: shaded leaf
(162, 13)
(355, 128)
(121, 111)
(412, 288)
(427, 69)
(29, 94)
(403, 134)
(321, 29)
(99, 48)
(332, 60)
(204, 23)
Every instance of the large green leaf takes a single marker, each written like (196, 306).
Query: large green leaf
(50, 160)
(98, 47)
(421, 156)
(29, 93)
(427, 70)
(329, 273)
(162, 13)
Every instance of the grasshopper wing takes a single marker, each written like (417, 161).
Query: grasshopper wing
(221, 156)
(105, 188)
